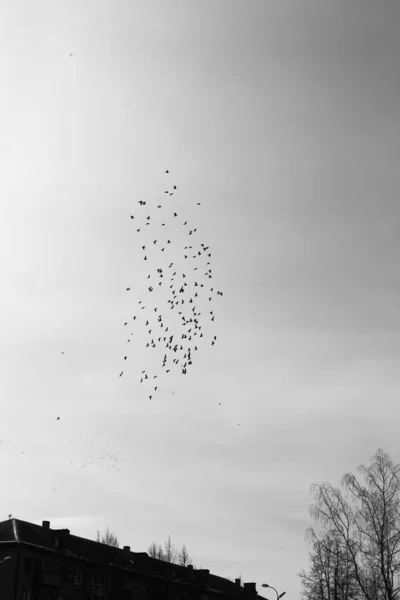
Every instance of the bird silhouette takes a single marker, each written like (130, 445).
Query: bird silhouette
(127, 289)
(132, 217)
(167, 171)
(58, 418)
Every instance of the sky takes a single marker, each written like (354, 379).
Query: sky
(281, 118)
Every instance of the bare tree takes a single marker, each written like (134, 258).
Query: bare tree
(330, 576)
(155, 551)
(183, 557)
(160, 553)
(365, 530)
(152, 550)
(170, 553)
(108, 538)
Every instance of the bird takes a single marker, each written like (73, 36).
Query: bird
(121, 374)
(198, 204)
(58, 418)
(132, 217)
(62, 352)
(125, 357)
(150, 397)
(167, 171)
(127, 289)
(175, 188)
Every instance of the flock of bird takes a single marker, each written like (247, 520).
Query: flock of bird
(184, 291)
(176, 325)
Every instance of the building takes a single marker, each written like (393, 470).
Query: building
(40, 563)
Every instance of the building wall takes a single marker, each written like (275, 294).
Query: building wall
(8, 571)
(52, 576)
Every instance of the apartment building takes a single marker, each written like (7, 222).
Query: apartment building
(41, 563)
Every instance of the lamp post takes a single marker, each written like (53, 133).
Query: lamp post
(276, 591)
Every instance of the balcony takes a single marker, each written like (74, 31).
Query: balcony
(48, 578)
(99, 590)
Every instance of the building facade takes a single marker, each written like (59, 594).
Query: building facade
(40, 563)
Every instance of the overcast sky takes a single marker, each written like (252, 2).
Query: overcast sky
(281, 117)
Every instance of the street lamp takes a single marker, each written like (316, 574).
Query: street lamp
(270, 586)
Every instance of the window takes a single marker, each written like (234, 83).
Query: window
(100, 578)
(69, 574)
(27, 566)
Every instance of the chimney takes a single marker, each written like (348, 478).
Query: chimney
(127, 548)
(250, 587)
(46, 524)
(238, 582)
